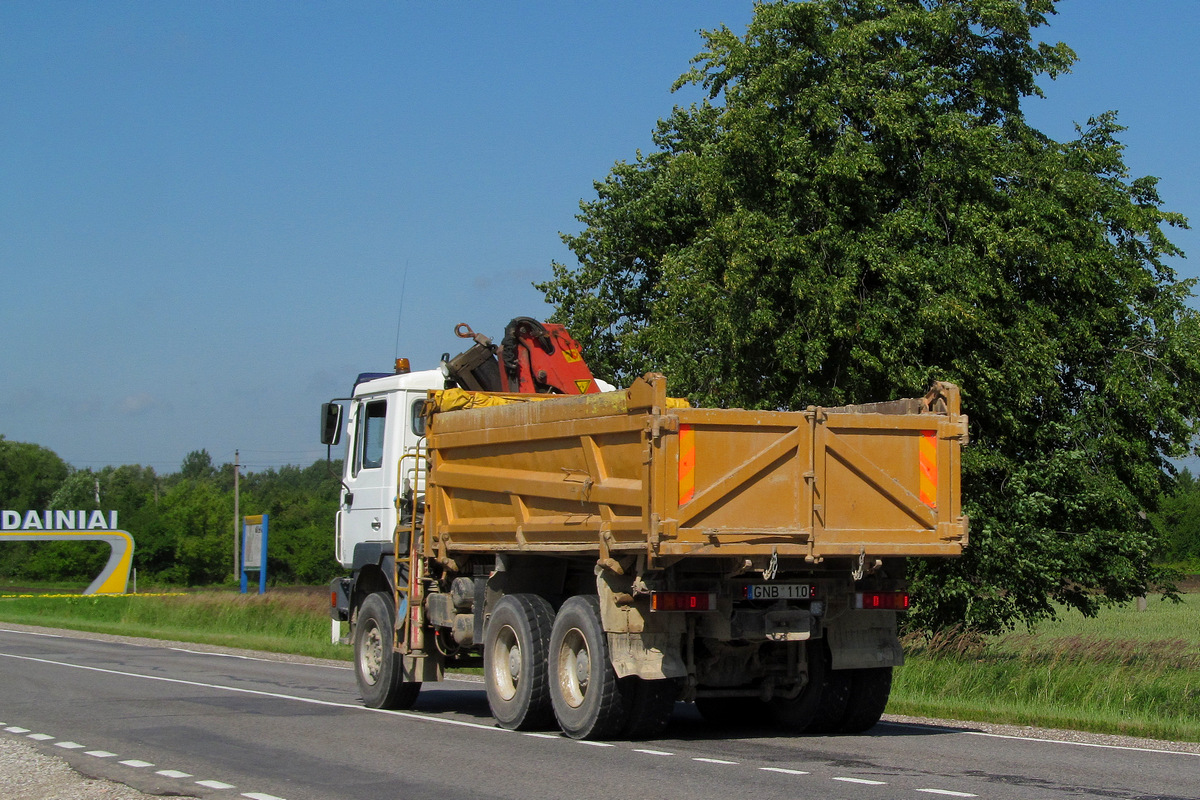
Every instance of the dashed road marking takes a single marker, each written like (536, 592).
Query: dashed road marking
(654, 752)
(947, 793)
(215, 785)
(544, 735)
(863, 781)
(595, 744)
(714, 761)
(784, 771)
(135, 763)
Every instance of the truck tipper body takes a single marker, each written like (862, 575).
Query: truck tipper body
(607, 555)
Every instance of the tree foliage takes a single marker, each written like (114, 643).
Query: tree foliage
(182, 523)
(858, 208)
(29, 474)
(1178, 519)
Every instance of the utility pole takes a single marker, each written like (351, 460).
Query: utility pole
(237, 519)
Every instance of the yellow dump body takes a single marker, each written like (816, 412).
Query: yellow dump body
(624, 473)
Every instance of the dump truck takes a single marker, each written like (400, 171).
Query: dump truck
(607, 554)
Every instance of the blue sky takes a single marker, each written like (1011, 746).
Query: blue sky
(214, 214)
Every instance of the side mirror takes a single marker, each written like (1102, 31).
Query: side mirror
(331, 423)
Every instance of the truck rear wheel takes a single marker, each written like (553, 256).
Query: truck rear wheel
(797, 714)
(515, 662)
(833, 694)
(587, 699)
(869, 690)
(649, 705)
(377, 666)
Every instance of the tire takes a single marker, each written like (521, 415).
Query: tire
(869, 690)
(649, 705)
(799, 713)
(584, 691)
(515, 666)
(833, 695)
(378, 668)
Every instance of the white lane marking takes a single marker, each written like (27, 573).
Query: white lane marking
(784, 771)
(181, 650)
(215, 785)
(595, 744)
(136, 764)
(714, 761)
(15, 729)
(260, 796)
(863, 781)
(69, 745)
(1080, 744)
(654, 752)
(544, 735)
(100, 754)
(173, 773)
(260, 693)
(947, 793)
(40, 737)
(255, 658)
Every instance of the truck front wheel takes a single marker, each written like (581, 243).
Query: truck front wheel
(515, 662)
(377, 665)
(587, 699)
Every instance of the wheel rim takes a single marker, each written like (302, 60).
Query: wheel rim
(506, 665)
(574, 667)
(370, 659)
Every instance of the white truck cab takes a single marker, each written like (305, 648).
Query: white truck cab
(384, 431)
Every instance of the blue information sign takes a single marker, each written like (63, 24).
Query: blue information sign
(254, 550)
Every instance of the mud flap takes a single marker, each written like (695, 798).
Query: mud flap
(861, 639)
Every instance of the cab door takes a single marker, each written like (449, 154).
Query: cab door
(368, 507)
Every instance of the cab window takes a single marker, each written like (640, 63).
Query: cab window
(369, 435)
(418, 418)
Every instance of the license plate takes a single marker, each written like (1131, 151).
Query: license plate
(778, 591)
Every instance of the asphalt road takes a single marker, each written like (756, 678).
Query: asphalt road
(182, 720)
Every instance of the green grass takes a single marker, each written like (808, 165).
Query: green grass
(284, 621)
(1125, 671)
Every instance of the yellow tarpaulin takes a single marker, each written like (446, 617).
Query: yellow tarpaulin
(455, 399)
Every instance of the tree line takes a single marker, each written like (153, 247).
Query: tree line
(181, 522)
(1178, 523)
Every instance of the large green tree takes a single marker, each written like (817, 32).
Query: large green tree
(29, 475)
(858, 208)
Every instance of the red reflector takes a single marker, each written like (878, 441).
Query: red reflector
(883, 601)
(333, 599)
(682, 601)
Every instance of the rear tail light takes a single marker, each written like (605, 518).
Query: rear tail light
(884, 601)
(683, 601)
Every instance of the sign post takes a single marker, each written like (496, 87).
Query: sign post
(76, 526)
(254, 550)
